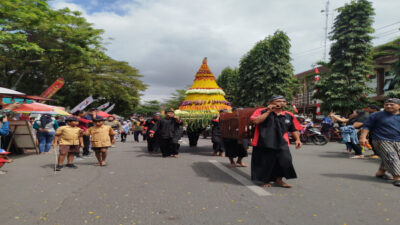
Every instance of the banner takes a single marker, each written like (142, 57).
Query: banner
(89, 100)
(105, 105)
(109, 109)
(49, 92)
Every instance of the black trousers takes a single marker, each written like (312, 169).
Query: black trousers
(86, 144)
(136, 134)
(168, 147)
(123, 137)
(193, 137)
(356, 147)
(153, 144)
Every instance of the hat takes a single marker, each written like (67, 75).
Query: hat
(70, 119)
(276, 97)
(393, 100)
(98, 118)
(157, 114)
(4, 152)
(169, 110)
(374, 107)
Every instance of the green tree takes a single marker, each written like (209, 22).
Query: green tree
(228, 81)
(176, 99)
(39, 44)
(265, 71)
(391, 49)
(344, 88)
(148, 108)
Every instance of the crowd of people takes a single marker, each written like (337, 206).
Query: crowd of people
(271, 159)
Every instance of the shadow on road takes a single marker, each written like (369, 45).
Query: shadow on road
(207, 170)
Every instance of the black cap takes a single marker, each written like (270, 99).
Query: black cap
(276, 97)
(169, 110)
(393, 100)
(70, 119)
(374, 107)
(98, 118)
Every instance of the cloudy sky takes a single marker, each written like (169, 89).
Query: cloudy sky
(167, 39)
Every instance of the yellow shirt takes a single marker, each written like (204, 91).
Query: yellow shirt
(69, 135)
(100, 136)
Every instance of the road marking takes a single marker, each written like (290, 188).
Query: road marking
(256, 189)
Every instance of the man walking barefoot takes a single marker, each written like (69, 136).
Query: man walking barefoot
(386, 138)
(271, 159)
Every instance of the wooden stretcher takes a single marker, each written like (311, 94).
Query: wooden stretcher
(237, 125)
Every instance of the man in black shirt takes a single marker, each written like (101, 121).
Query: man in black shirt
(271, 159)
(168, 129)
(152, 142)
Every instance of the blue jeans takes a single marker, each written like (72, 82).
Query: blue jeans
(45, 141)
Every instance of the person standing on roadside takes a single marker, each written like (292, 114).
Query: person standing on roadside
(116, 126)
(372, 109)
(125, 130)
(138, 126)
(349, 132)
(46, 128)
(385, 138)
(84, 125)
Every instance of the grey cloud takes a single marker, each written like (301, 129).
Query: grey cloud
(167, 40)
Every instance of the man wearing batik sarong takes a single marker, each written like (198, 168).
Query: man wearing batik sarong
(385, 139)
(271, 159)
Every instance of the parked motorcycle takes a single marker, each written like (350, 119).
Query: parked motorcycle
(314, 135)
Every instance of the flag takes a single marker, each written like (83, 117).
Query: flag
(50, 91)
(294, 107)
(81, 106)
(109, 109)
(105, 105)
(318, 111)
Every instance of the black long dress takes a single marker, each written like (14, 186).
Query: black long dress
(234, 149)
(271, 157)
(216, 139)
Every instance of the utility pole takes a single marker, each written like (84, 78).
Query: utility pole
(326, 11)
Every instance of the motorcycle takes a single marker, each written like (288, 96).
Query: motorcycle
(314, 135)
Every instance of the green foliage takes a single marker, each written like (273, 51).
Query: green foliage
(344, 88)
(148, 108)
(265, 71)
(228, 81)
(39, 44)
(176, 99)
(391, 49)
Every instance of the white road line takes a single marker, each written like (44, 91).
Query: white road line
(256, 189)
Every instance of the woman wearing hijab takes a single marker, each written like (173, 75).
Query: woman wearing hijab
(46, 128)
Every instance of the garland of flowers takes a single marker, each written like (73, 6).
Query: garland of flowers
(205, 91)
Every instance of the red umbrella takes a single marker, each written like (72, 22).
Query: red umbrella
(103, 114)
(33, 107)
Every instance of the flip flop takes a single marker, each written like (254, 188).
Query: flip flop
(396, 183)
(384, 177)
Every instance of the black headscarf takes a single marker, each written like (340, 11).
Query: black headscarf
(44, 120)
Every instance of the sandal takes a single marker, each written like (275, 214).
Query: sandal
(396, 183)
(384, 177)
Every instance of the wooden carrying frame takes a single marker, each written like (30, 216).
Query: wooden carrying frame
(237, 125)
(22, 135)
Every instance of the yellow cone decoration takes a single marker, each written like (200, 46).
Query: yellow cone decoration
(205, 94)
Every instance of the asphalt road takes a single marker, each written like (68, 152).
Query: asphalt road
(138, 188)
